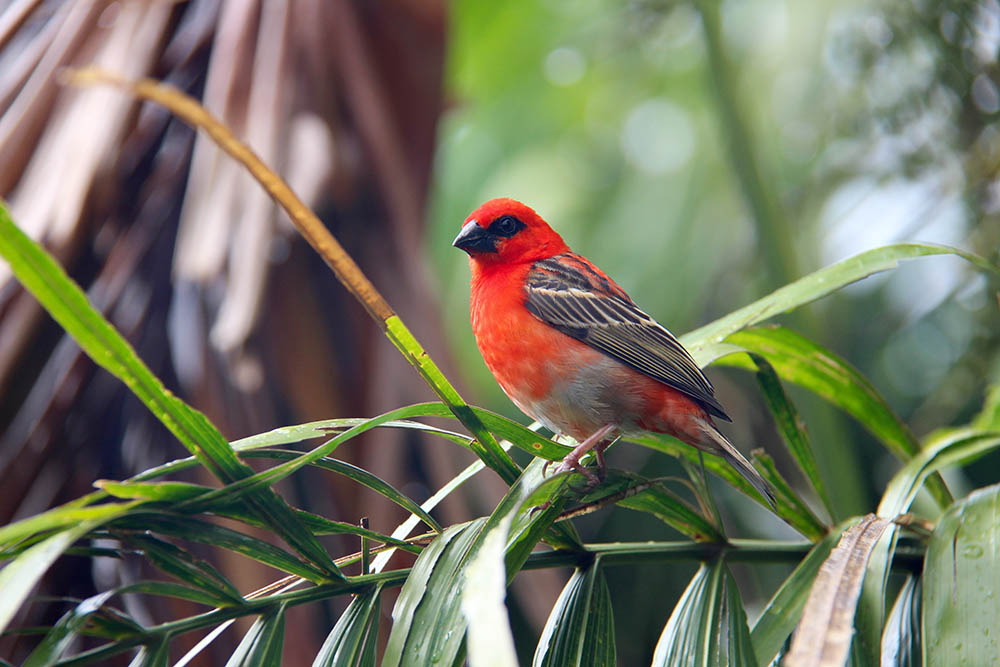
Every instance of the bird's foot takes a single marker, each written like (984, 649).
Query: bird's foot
(593, 478)
(571, 462)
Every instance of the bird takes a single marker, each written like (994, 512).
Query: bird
(572, 350)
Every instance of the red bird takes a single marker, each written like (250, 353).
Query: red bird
(573, 351)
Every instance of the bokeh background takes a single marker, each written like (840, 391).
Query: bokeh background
(703, 153)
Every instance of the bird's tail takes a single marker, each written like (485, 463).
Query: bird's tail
(718, 444)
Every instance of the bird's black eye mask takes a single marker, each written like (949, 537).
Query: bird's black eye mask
(475, 239)
(506, 226)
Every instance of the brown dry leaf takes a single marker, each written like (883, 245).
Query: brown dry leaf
(823, 636)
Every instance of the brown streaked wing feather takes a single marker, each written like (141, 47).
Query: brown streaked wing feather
(567, 293)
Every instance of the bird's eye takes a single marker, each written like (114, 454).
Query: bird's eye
(508, 225)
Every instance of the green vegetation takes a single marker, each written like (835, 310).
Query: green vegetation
(704, 154)
(155, 517)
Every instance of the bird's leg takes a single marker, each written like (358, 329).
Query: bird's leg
(597, 442)
(599, 455)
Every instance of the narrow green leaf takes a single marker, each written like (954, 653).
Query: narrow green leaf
(522, 437)
(784, 609)
(805, 523)
(518, 434)
(952, 448)
(154, 655)
(196, 530)
(19, 577)
(428, 623)
(508, 429)
(64, 631)
(410, 523)
(204, 642)
(179, 591)
(533, 504)
(708, 626)
(988, 418)
(111, 623)
(323, 526)
(527, 440)
(812, 287)
(791, 426)
(289, 595)
(698, 480)
(560, 535)
(800, 360)
(67, 304)
(666, 506)
(429, 600)
(287, 435)
(791, 507)
(185, 566)
(94, 552)
(484, 589)
(262, 644)
(353, 640)
(537, 501)
(252, 483)
(901, 638)
(59, 518)
(714, 464)
(65, 301)
(318, 525)
(485, 445)
(961, 613)
(299, 433)
(358, 475)
(961, 446)
(739, 648)
(581, 627)
(156, 491)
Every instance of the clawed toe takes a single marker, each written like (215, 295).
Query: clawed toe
(561, 467)
(597, 442)
(593, 479)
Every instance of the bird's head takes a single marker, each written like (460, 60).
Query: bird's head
(505, 231)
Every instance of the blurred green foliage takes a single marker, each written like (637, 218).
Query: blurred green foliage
(870, 123)
(602, 117)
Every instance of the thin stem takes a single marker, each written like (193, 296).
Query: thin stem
(774, 242)
(323, 242)
(365, 549)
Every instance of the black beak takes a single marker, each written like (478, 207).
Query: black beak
(474, 239)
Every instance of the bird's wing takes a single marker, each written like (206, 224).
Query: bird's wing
(572, 295)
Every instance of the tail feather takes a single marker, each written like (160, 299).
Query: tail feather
(720, 445)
